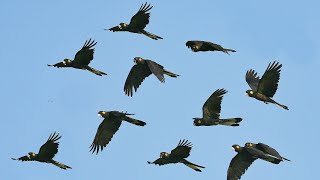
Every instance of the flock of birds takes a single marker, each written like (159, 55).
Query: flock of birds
(262, 89)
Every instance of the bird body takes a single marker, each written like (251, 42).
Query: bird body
(82, 59)
(178, 155)
(109, 126)
(138, 22)
(264, 89)
(211, 112)
(46, 153)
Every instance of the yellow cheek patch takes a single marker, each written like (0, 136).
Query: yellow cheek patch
(103, 112)
(251, 92)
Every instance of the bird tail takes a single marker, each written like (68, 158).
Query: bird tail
(283, 106)
(170, 73)
(191, 165)
(150, 35)
(230, 121)
(60, 165)
(286, 159)
(227, 51)
(95, 71)
(135, 121)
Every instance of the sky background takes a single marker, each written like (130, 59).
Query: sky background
(37, 100)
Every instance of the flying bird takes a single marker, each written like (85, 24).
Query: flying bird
(109, 126)
(197, 46)
(245, 157)
(264, 89)
(211, 112)
(267, 150)
(142, 69)
(82, 59)
(178, 155)
(138, 22)
(46, 153)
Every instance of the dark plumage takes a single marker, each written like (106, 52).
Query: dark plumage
(142, 69)
(211, 112)
(109, 126)
(82, 59)
(267, 150)
(264, 89)
(178, 155)
(197, 46)
(245, 157)
(46, 153)
(138, 22)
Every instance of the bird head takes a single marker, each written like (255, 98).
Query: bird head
(138, 60)
(122, 26)
(164, 155)
(249, 93)
(248, 144)
(32, 155)
(103, 114)
(237, 148)
(67, 62)
(195, 48)
(197, 121)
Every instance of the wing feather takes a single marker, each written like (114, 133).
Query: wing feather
(141, 18)
(212, 107)
(85, 55)
(269, 81)
(182, 150)
(135, 77)
(238, 165)
(156, 69)
(252, 79)
(50, 148)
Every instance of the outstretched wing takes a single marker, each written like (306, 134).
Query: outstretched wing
(50, 148)
(85, 54)
(24, 158)
(269, 81)
(160, 161)
(182, 150)
(156, 69)
(238, 165)
(141, 18)
(252, 79)
(212, 107)
(105, 132)
(135, 77)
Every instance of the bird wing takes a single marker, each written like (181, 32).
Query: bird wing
(24, 158)
(59, 65)
(105, 132)
(182, 150)
(49, 148)
(141, 18)
(156, 69)
(269, 150)
(269, 81)
(160, 161)
(212, 107)
(85, 54)
(135, 77)
(238, 165)
(211, 46)
(252, 79)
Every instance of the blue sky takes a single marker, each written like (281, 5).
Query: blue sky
(37, 100)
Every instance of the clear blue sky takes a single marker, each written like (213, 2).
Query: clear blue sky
(37, 100)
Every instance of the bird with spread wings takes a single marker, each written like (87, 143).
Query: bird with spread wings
(197, 46)
(211, 112)
(142, 69)
(82, 59)
(138, 22)
(46, 153)
(247, 155)
(177, 155)
(109, 126)
(264, 89)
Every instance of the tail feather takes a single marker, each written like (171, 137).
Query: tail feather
(170, 73)
(150, 35)
(227, 51)
(283, 106)
(192, 165)
(135, 121)
(95, 71)
(230, 121)
(286, 159)
(60, 165)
